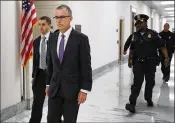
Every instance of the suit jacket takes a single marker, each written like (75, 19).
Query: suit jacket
(75, 72)
(36, 56)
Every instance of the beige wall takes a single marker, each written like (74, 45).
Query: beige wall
(10, 64)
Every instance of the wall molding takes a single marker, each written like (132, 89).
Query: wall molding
(27, 104)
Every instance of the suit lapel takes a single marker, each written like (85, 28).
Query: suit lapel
(55, 47)
(38, 48)
(68, 45)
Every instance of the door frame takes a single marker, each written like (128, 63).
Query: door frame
(121, 38)
(132, 10)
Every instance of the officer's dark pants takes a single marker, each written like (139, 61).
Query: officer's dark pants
(165, 70)
(140, 71)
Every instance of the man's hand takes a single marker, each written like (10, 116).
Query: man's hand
(166, 62)
(124, 52)
(47, 91)
(82, 97)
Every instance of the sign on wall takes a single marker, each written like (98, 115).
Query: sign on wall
(78, 28)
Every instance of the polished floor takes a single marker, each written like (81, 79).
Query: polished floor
(110, 92)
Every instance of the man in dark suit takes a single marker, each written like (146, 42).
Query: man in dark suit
(39, 69)
(69, 69)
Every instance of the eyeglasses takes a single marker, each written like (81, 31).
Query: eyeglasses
(60, 17)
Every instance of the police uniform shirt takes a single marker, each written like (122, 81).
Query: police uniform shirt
(146, 43)
(167, 36)
(128, 42)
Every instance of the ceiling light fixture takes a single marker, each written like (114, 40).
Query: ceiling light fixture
(169, 12)
(170, 15)
(169, 8)
(167, 2)
(170, 19)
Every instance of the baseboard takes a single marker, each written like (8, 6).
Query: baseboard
(13, 110)
(27, 104)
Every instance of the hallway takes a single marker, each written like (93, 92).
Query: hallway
(110, 92)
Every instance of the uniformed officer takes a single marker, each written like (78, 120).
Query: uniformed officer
(145, 45)
(128, 43)
(170, 43)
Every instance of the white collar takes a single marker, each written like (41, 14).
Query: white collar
(67, 33)
(46, 35)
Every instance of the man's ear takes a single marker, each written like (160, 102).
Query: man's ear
(71, 18)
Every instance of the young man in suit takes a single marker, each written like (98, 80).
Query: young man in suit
(39, 69)
(69, 69)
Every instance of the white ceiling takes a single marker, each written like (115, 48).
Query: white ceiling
(160, 8)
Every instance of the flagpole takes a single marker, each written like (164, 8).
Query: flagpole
(28, 87)
(23, 97)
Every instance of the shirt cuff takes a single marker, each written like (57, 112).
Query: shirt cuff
(85, 91)
(47, 85)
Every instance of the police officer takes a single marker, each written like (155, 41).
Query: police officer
(128, 43)
(145, 45)
(168, 37)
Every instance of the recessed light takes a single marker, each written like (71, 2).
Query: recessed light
(170, 15)
(169, 12)
(170, 19)
(167, 2)
(169, 8)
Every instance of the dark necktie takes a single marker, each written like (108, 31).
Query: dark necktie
(43, 53)
(61, 48)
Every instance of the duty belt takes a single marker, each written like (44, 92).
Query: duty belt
(149, 60)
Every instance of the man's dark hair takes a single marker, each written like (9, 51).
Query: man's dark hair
(167, 24)
(66, 7)
(47, 19)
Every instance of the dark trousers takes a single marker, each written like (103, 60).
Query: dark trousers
(38, 88)
(58, 107)
(141, 71)
(165, 70)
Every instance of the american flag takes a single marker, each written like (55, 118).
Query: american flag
(28, 20)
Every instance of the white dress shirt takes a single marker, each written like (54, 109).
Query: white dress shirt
(47, 38)
(66, 36)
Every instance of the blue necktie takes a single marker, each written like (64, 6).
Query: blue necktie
(61, 48)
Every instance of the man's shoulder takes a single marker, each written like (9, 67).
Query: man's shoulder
(153, 31)
(79, 34)
(171, 33)
(37, 39)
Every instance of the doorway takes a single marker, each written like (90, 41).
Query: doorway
(133, 29)
(121, 31)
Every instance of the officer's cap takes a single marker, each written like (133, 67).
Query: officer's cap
(141, 17)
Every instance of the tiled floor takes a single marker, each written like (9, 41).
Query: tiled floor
(106, 102)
